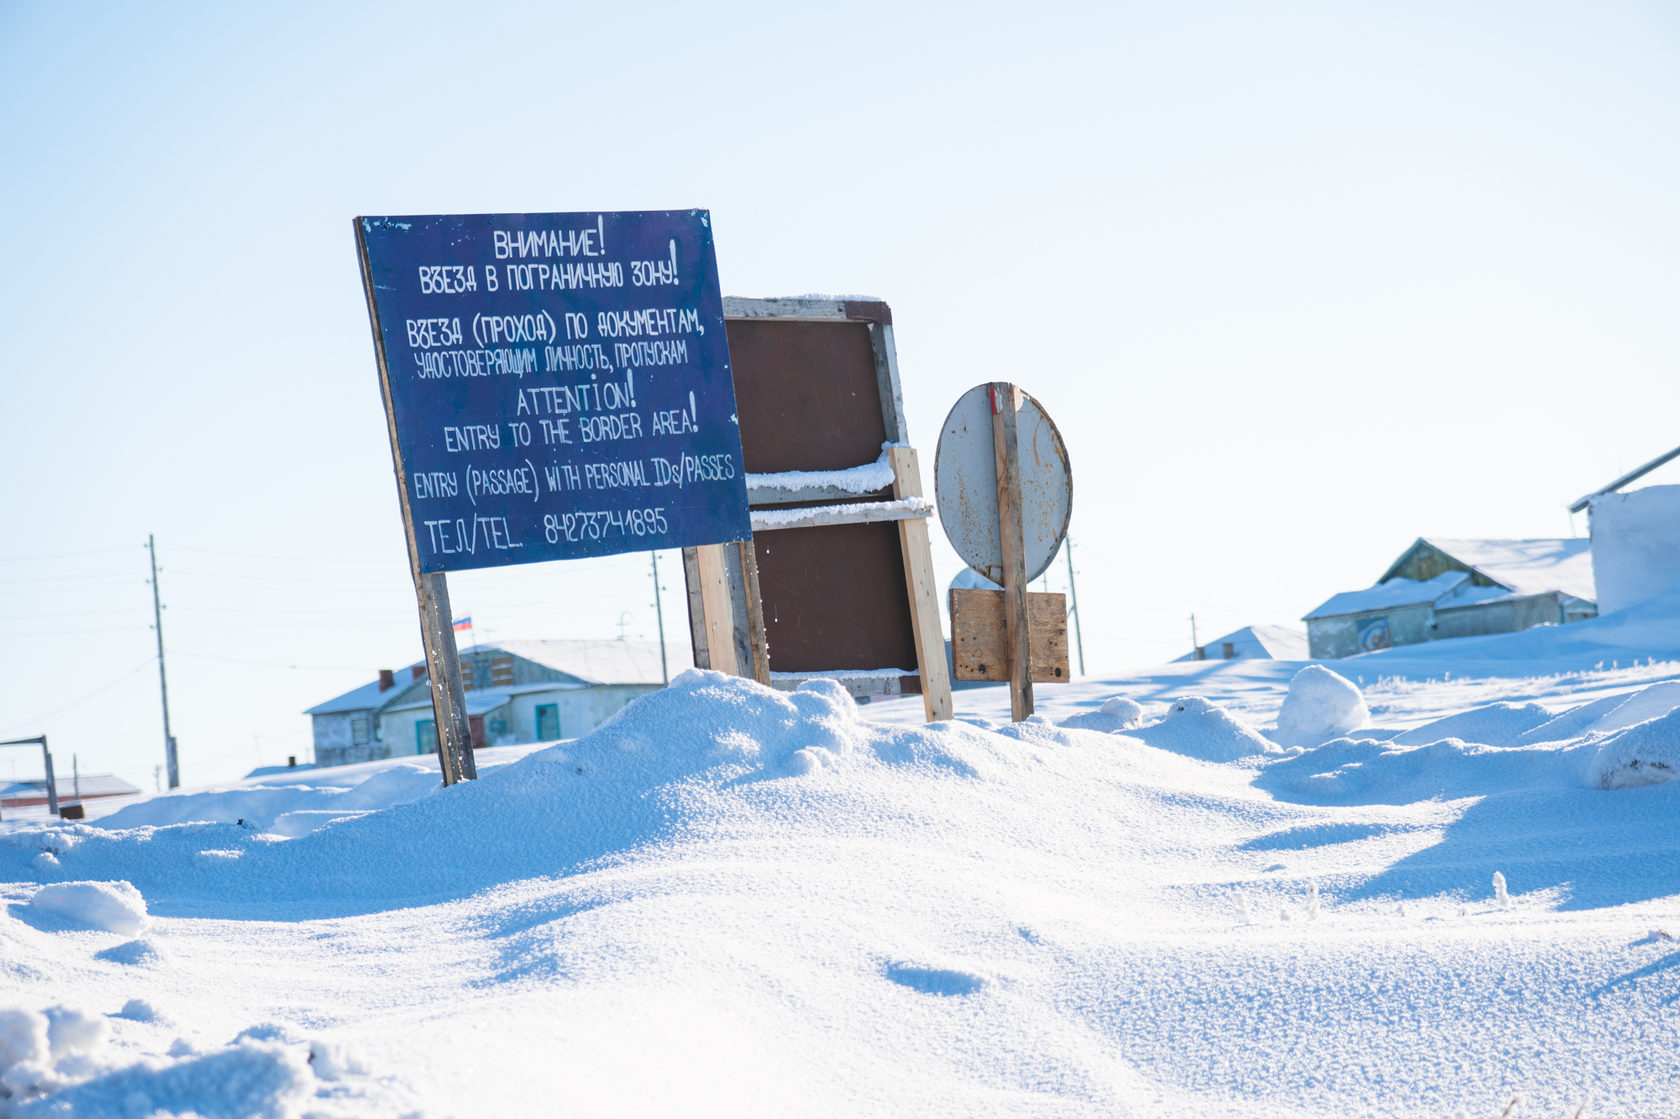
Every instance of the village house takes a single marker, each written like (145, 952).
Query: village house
(1278, 643)
(70, 790)
(516, 692)
(1459, 588)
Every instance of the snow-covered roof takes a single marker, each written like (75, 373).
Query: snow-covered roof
(1279, 643)
(1390, 595)
(368, 696)
(89, 784)
(590, 662)
(1527, 566)
(593, 662)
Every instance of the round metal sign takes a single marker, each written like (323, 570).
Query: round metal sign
(965, 484)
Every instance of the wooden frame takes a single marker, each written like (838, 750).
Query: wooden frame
(726, 611)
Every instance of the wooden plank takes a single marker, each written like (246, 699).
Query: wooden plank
(761, 494)
(923, 589)
(757, 643)
(856, 513)
(886, 380)
(808, 310)
(431, 589)
(980, 638)
(716, 607)
(696, 608)
(1006, 403)
(861, 685)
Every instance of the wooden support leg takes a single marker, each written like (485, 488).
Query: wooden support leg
(716, 607)
(924, 591)
(1006, 402)
(443, 676)
(756, 639)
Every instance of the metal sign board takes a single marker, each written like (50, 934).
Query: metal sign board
(965, 484)
(558, 385)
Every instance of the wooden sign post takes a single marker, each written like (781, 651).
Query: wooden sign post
(1006, 449)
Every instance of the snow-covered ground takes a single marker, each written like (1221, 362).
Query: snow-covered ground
(1146, 901)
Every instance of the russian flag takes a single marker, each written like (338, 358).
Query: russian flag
(463, 624)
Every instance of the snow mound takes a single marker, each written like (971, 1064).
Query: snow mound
(138, 1010)
(1642, 706)
(1497, 724)
(1320, 705)
(59, 1062)
(132, 953)
(41, 1051)
(1644, 754)
(1349, 771)
(290, 810)
(1607, 715)
(1115, 715)
(246, 1079)
(113, 906)
(620, 787)
(1200, 728)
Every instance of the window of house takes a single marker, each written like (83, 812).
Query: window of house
(425, 737)
(359, 730)
(548, 721)
(501, 671)
(466, 676)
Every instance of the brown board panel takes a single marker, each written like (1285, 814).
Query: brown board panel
(806, 394)
(834, 598)
(980, 644)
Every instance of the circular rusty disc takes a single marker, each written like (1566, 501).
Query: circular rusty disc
(965, 484)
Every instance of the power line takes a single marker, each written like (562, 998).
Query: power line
(112, 578)
(276, 664)
(102, 689)
(62, 555)
(395, 561)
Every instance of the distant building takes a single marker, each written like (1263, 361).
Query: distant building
(1635, 538)
(1459, 588)
(1278, 643)
(1635, 545)
(516, 692)
(26, 794)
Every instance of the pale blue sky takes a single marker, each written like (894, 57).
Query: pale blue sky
(1298, 282)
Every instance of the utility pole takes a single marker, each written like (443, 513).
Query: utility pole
(163, 680)
(1195, 646)
(1078, 625)
(659, 612)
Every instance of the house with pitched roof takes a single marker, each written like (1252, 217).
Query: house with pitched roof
(516, 692)
(1278, 643)
(1441, 588)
